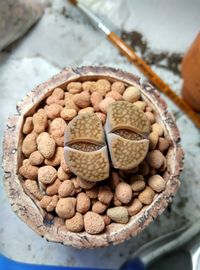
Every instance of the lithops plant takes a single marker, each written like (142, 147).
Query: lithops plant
(85, 149)
(85, 128)
(127, 128)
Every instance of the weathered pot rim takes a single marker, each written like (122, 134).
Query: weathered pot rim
(30, 212)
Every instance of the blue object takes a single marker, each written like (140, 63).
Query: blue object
(8, 264)
(134, 264)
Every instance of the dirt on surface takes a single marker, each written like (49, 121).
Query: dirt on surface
(169, 61)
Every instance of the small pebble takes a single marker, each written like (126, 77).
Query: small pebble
(89, 86)
(131, 94)
(114, 181)
(66, 189)
(143, 168)
(28, 125)
(63, 175)
(49, 202)
(105, 195)
(86, 110)
(96, 99)
(138, 185)
(68, 114)
(65, 207)
(162, 145)
(115, 95)
(83, 203)
(53, 110)
(153, 140)
(53, 188)
(103, 86)
(140, 104)
(146, 196)
(134, 207)
(118, 214)
(118, 87)
(150, 117)
(36, 158)
(47, 174)
(107, 220)
(105, 104)
(75, 224)
(82, 100)
(99, 207)
(92, 193)
(116, 201)
(157, 128)
(157, 183)
(164, 166)
(155, 159)
(93, 223)
(74, 85)
(123, 192)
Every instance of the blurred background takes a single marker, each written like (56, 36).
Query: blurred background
(36, 42)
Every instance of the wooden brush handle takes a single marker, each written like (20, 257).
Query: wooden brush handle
(153, 77)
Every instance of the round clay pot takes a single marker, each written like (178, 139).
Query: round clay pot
(52, 228)
(190, 71)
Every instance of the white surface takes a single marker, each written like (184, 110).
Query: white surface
(167, 25)
(58, 41)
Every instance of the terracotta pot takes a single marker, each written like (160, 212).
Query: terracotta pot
(34, 216)
(191, 75)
